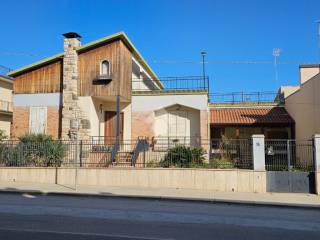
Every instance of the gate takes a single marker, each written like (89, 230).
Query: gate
(290, 166)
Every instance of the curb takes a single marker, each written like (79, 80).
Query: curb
(168, 198)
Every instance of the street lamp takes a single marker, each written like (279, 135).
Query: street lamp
(203, 53)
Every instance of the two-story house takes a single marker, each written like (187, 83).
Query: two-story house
(77, 89)
(6, 85)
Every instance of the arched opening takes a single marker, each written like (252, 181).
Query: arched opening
(105, 68)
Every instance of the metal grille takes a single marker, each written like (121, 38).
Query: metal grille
(184, 152)
(289, 155)
(231, 153)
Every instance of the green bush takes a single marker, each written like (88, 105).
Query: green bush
(33, 150)
(3, 135)
(182, 156)
(223, 163)
(42, 150)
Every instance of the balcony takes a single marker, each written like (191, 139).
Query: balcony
(6, 106)
(170, 85)
(246, 98)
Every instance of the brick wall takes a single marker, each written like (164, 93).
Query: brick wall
(204, 124)
(20, 124)
(53, 121)
(142, 124)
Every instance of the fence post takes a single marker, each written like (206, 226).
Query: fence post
(80, 153)
(258, 152)
(316, 142)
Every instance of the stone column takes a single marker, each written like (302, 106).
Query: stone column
(73, 119)
(316, 142)
(258, 152)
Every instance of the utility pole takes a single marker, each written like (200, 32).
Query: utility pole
(318, 23)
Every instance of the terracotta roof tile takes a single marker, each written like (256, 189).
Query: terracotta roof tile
(250, 116)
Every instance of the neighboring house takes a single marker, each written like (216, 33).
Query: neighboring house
(240, 115)
(81, 84)
(303, 102)
(6, 85)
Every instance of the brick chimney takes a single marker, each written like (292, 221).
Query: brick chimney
(72, 115)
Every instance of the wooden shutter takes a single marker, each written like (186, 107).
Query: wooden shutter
(178, 124)
(38, 120)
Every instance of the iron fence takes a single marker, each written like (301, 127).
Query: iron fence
(169, 84)
(289, 155)
(231, 153)
(246, 97)
(172, 152)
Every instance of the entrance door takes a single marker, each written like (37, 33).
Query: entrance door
(110, 127)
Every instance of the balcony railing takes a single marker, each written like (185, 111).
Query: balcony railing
(171, 84)
(5, 106)
(245, 97)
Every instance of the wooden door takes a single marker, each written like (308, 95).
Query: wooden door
(110, 126)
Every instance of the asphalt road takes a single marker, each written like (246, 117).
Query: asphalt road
(65, 217)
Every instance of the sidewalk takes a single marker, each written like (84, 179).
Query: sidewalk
(276, 199)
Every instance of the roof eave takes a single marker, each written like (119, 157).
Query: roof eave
(119, 35)
(36, 64)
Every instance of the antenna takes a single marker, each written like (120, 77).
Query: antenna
(276, 54)
(318, 22)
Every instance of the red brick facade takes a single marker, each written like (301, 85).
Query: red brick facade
(20, 124)
(142, 124)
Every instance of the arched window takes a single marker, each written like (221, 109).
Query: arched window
(105, 67)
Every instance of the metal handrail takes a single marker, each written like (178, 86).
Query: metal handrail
(246, 97)
(171, 83)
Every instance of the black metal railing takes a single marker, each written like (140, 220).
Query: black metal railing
(245, 97)
(167, 84)
(231, 153)
(164, 152)
(289, 155)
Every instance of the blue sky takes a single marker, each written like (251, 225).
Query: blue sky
(175, 30)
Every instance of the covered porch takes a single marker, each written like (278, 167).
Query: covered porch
(242, 123)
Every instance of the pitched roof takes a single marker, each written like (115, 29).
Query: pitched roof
(249, 116)
(120, 35)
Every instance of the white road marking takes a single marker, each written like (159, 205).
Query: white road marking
(82, 234)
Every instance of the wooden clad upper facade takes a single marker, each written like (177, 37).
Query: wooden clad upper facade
(46, 76)
(120, 60)
(45, 79)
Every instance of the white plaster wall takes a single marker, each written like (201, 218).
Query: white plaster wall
(157, 102)
(307, 73)
(138, 84)
(89, 107)
(5, 123)
(38, 99)
(5, 91)
(304, 107)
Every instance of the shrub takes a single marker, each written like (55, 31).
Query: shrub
(3, 135)
(41, 150)
(10, 155)
(223, 163)
(182, 156)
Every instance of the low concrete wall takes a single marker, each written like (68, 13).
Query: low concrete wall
(201, 179)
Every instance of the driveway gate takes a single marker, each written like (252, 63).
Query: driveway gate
(290, 166)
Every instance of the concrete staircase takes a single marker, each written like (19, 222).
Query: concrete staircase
(123, 159)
